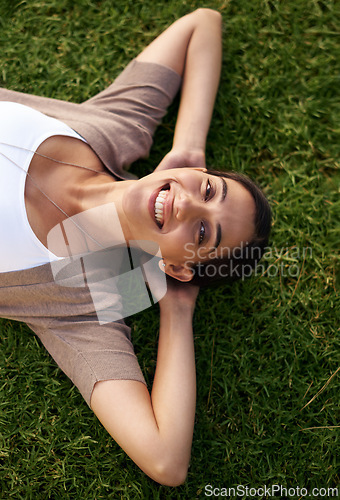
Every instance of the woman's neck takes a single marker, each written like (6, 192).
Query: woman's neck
(100, 207)
(59, 191)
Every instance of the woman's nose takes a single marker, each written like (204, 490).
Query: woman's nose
(186, 206)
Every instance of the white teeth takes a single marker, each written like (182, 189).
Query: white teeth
(159, 206)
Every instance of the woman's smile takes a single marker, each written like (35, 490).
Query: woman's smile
(160, 205)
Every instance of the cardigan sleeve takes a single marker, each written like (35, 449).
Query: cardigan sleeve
(119, 122)
(88, 352)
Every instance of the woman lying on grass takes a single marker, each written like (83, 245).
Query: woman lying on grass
(66, 162)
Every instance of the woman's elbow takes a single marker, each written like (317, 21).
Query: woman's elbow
(206, 13)
(170, 475)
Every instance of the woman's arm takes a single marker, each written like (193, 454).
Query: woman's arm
(191, 47)
(156, 431)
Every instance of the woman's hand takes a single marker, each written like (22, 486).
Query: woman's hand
(177, 158)
(179, 297)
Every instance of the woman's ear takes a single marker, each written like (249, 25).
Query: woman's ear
(181, 273)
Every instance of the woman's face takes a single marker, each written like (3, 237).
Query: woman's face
(200, 216)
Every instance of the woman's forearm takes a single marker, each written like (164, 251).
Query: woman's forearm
(156, 431)
(174, 389)
(192, 47)
(200, 82)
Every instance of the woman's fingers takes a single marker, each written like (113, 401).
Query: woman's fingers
(182, 159)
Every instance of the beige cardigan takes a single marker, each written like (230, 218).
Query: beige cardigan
(118, 124)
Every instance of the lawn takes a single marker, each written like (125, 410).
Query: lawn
(267, 349)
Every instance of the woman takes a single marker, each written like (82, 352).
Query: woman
(192, 215)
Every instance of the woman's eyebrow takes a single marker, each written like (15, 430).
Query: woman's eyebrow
(224, 189)
(218, 236)
(218, 226)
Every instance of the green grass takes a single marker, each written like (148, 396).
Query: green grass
(264, 347)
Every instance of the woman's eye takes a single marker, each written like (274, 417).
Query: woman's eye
(208, 191)
(201, 233)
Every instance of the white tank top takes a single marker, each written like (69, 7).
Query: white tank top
(21, 127)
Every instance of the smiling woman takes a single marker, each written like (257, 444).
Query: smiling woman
(61, 163)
